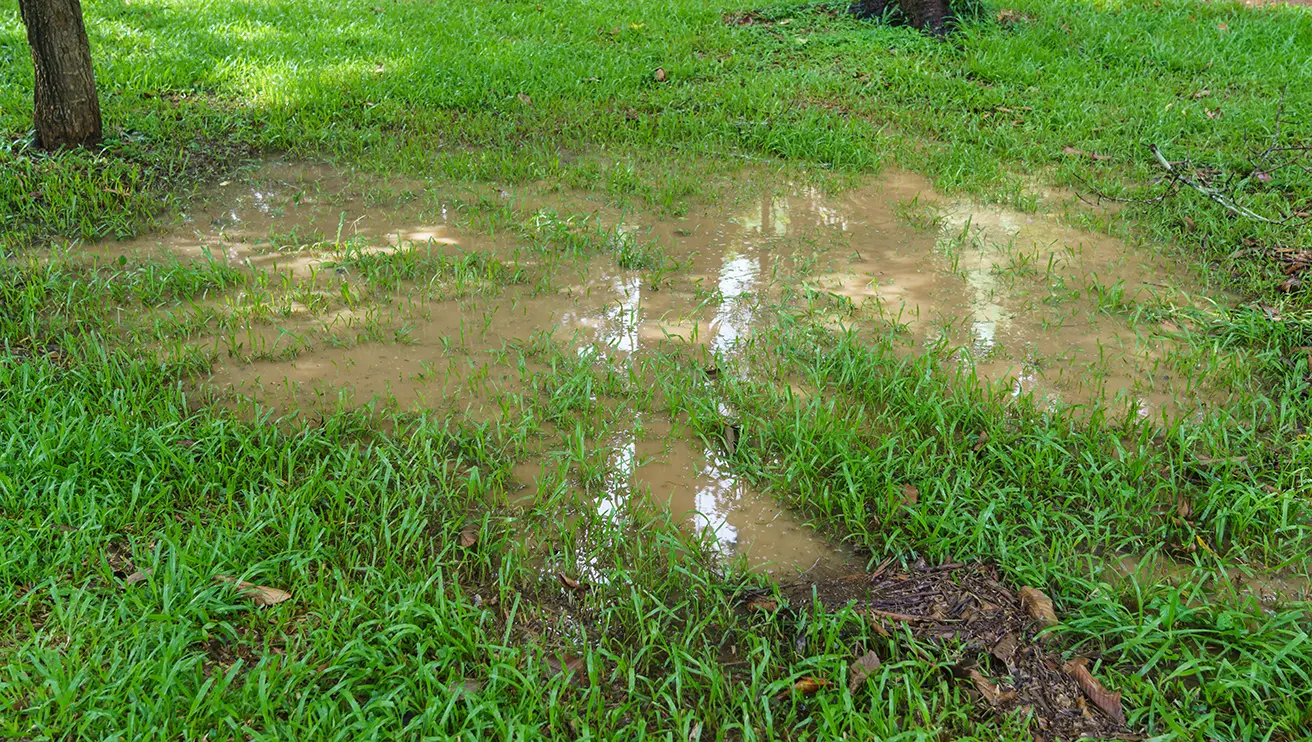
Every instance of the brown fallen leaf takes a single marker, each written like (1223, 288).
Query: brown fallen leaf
(1005, 649)
(1202, 93)
(118, 556)
(139, 576)
(468, 537)
(525, 98)
(1081, 153)
(877, 624)
(731, 434)
(1104, 699)
(1038, 605)
(992, 692)
(1290, 285)
(861, 670)
(903, 617)
(1222, 460)
(1010, 15)
(762, 605)
(981, 440)
(660, 74)
(568, 665)
(1183, 507)
(465, 687)
(571, 584)
(809, 686)
(910, 494)
(258, 594)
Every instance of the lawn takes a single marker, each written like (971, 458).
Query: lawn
(477, 559)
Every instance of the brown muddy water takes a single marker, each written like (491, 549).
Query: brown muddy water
(1027, 300)
(1231, 583)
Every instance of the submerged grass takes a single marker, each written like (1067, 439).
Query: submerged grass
(425, 602)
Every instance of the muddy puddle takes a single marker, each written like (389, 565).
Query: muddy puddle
(1024, 299)
(658, 463)
(1232, 583)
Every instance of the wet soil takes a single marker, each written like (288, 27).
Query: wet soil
(659, 463)
(1229, 584)
(1027, 300)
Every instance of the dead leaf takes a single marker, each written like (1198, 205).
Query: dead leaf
(893, 616)
(1290, 285)
(1183, 507)
(467, 687)
(139, 576)
(1202, 93)
(1038, 605)
(569, 666)
(119, 557)
(571, 584)
(762, 605)
(1222, 27)
(525, 98)
(1082, 153)
(1104, 699)
(1005, 649)
(863, 668)
(660, 74)
(910, 494)
(695, 734)
(992, 692)
(1212, 112)
(258, 594)
(66, 529)
(469, 537)
(1222, 460)
(809, 686)
(979, 442)
(1010, 15)
(877, 624)
(731, 433)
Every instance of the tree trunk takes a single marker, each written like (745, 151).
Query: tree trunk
(67, 112)
(926, 15)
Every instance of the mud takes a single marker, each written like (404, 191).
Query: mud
(662, 465)
(1232, 584)
(1028, 301)
(285, 217)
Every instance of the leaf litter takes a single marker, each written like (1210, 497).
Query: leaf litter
(258, 594)
(994, 634)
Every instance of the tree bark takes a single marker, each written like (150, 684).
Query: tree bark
(926, 15)
(66, 111)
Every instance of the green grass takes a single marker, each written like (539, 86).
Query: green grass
(116, 458)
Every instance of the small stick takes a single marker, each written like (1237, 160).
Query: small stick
(1213, 195)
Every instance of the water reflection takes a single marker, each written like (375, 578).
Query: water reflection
(699, 487)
